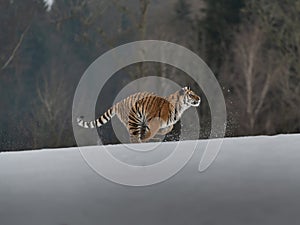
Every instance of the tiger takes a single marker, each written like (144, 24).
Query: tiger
(146, 114)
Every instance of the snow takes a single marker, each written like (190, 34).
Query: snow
(48, 4)
(254, 180)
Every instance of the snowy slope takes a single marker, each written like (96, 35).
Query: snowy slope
(254, 180)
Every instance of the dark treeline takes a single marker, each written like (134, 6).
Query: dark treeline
(251, 46)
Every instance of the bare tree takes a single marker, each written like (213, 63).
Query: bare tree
(15, 22)
(52, 109)
(15, 49)
(254, 70)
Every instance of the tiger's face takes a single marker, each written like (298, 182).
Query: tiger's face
(189, 97)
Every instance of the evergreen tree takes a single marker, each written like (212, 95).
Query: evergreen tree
(216, 29)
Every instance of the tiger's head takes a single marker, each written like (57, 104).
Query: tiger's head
(189, 97)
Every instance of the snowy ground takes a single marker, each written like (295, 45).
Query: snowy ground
(254, 180)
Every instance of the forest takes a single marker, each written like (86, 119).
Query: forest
(252, 47)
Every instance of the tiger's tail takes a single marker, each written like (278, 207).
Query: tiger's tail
(97, 122)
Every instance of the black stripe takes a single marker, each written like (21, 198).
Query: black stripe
(136, 105)
(98, 122)
(134, 110)
(135, 132)
(133, 118)
(139, 114)
(105, 117)
(159, 112)
(151, 101)
(133, 124)
(101, 120)
(147, 101)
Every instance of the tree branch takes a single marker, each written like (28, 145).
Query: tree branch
(15, 49)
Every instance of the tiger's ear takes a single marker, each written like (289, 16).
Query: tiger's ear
(183, 90)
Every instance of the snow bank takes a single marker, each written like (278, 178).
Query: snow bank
(254, 180)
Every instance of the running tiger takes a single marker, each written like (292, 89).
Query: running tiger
(145, 114)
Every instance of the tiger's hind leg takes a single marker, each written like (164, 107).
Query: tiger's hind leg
(160, 135)
(164, 131)
(153, 127)
(143, 132)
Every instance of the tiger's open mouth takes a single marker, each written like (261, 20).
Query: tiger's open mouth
(195, 103)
